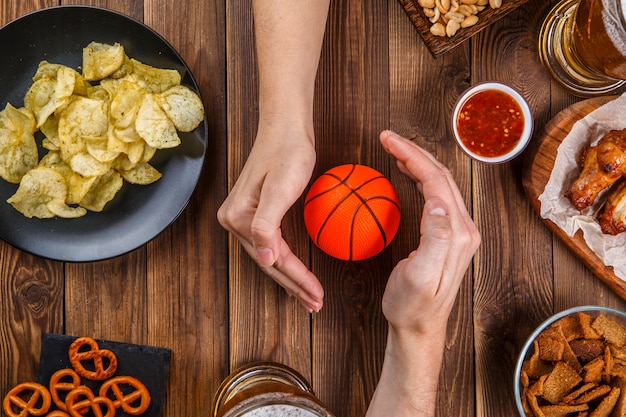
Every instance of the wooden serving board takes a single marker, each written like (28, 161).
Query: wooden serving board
(537, 168)
(439, 45)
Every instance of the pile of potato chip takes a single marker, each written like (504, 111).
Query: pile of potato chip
(578, 368)
(100, 128)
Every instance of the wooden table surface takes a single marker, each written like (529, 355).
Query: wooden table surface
(194, 290)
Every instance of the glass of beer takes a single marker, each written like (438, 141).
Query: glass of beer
(582, 44)
(266, 390)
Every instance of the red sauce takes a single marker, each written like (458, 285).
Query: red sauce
(490, 123)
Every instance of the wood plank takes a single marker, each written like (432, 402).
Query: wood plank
(512, 269)
(187, 264)
(415, 78)
(95, 306)
(352, 96)
(31, 288)
(276, 328)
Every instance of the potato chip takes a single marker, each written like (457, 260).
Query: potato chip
(86, 165)
(125, 104)
(101, 60)
(154, 126)
(97, 135)
(98, 147)
(135, 152)
(183, 107)
(60, 209)
(102, 191)
(38, 187)
(18, 149)
(82, 117)
(48, 94)
(128, 135)
(50, 70)
(153, 80)
(78, 186)
(142, 174)
(50, 130)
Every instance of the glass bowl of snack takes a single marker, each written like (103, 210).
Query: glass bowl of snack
(574, 362)
(492, 122)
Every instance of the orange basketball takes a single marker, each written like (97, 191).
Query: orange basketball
(352, 212)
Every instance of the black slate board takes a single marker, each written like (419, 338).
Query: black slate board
(149, 364)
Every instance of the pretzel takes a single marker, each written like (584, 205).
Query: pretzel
(94, 354)
(80, 400)
(14, 399)
(126, 401)
(56, 385)
(57, 413)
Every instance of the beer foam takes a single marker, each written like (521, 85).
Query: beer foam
(280, 410)
(614, 26)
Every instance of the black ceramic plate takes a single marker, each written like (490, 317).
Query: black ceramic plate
(137, 213)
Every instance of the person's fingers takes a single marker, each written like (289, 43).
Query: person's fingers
(436, 241)
(265, 228)
(421, 166)
(297, 279)
(291, 274)
(433, 179)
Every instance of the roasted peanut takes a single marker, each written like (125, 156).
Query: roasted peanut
(448, 16)
(452, 27)
(469, 21)
(438, 29)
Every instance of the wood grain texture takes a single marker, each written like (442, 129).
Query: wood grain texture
(31, 288)
(512, 281)
(415, 78)
(195, 290)
(265, 323)
(349, 333)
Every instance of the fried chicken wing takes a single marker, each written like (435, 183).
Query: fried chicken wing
(612, 216)
(601, 166)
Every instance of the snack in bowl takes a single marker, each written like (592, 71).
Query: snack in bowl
(575, 362)
(100, 128)
(492, 122)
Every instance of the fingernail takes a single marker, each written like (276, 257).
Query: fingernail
(436, 208)
(392, 134)
(265, 256)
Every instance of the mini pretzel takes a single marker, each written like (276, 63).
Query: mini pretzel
(15, 399)
(94, 354)
(125, 401)
(58, 383)
(57, 413)
(80, 400)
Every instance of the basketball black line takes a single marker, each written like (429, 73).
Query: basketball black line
(381, 229)
(332, 175)
(341, 181)
(363, 203)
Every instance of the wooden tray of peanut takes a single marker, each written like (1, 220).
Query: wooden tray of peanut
(444, 24)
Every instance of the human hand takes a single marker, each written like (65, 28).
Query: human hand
(422, 288)
(273, 178)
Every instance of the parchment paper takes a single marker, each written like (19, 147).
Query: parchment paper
(554, 206)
